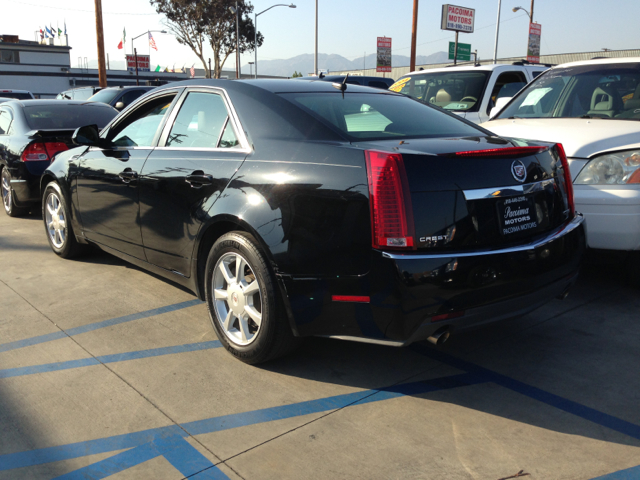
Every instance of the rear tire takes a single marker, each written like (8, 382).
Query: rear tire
(244, 303)
(8, 196)
(57, 223)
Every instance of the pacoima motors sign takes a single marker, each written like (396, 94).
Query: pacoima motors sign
(458, 19)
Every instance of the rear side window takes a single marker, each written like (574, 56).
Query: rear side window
(380, 116)
(105, 96)
(5, 121)
(17, 96)
(63, 116)
(203, 122)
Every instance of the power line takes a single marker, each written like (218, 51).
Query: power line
(77, 10)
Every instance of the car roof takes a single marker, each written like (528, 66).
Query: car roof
(43, 102)
(273, 85)
(13, 90)
(128, 87)
(600, 61)
(472, 67)
(328, 78)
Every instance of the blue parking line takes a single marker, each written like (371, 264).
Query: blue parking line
(117, 357)
(130, 440)
(184, 458)
(632, 473)
(95, 326)
(574, 408)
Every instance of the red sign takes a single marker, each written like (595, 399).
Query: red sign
(383, 58)
(143, 63)
(458, 19)
(533, 48)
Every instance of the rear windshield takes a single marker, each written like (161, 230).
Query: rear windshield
(456, 90)
(18, 96)
(105, 96)
(380, 116)
(65, 116)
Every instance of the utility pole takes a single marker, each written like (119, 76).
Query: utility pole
(531, 12)
(237, 44)
(315, 56)
(102, 69)
(414, 28)
(495, 43)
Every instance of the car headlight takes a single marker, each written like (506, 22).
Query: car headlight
(619, 168)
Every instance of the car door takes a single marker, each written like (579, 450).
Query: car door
(107, 178)
(497, 83)
(201, 148)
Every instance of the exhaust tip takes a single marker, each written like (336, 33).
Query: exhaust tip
(439, 336)
(563, 295)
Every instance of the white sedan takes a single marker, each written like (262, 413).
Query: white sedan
(593, 109)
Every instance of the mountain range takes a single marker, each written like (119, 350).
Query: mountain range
(335, 63)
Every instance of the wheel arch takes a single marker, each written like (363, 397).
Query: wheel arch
(209, 234)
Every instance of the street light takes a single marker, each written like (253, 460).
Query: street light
(255, 25)
(235, 12)
(515, 9)
(145, 33)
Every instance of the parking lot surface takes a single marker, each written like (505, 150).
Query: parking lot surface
(107, 370)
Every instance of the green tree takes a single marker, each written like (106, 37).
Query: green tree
(296, 74)
(198, 22)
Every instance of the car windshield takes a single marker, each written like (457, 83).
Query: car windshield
(17, 96)
(381, 116)
(589, 91)
(456, 90)
(105, 96)
(66, 117)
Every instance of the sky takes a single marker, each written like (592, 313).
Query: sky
(345, 27)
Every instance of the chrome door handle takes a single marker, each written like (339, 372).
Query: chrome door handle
(198, 180)
(128, 175)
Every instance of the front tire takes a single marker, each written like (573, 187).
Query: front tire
(245, 307)
(57, 223)
(8, 196)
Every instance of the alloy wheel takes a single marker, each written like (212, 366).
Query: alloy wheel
(6, 192)
(237, 299)
(55, 220)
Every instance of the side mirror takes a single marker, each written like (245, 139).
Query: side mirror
(87, 135)
(501, 102)
(119, 106)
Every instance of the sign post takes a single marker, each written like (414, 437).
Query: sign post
(383, 57)
(533, 48)
(457, 19)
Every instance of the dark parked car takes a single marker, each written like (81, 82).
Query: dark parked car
(376, 82)
(298, 209)
(119, 97)
(31, 133)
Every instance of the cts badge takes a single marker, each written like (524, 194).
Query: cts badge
(519, 171)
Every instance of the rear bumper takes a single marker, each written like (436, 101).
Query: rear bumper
(25, 181)
(407, 290)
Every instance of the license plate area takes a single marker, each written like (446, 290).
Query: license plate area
(517, 215)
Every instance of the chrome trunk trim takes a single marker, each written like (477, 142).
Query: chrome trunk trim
(510, 191)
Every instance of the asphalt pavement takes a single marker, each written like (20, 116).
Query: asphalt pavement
(107, 370)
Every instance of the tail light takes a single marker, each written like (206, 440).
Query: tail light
(391, 213)
(566, 180)
(41, 151)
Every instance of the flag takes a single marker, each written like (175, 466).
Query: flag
(123, 39)
(48, 33)
(65, 27)
(120, 45)
(166, 70)
(157, 69)
(193, 71)
(59, 32)
(174, 68)
(152, 42)
(41, 34)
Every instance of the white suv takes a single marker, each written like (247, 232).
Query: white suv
(593, 109)
(470, 91)
(16, 94)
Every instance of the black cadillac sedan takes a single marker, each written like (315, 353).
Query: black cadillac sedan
(32, 132)
(310, 209)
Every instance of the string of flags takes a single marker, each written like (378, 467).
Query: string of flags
(50, 32)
